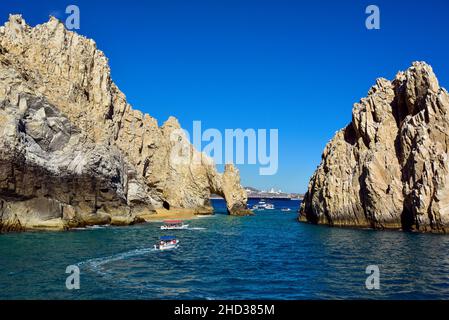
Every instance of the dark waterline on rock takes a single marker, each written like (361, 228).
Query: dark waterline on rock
(267, 256)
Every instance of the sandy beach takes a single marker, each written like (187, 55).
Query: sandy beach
(178, 214)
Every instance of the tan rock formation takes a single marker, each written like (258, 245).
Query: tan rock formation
(74, 152)
(388, 168)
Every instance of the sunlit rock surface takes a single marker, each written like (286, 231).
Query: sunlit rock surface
(388, 169)
(72, 150)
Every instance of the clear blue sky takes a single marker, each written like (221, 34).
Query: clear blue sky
(293, 65)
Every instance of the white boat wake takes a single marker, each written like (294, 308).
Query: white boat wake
(94, 227)
(96, 263)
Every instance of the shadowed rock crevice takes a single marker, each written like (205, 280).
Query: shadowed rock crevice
(350, 135)
(392, 171)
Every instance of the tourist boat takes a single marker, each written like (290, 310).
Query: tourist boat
(259, 206)
(174, 225)
(269, 206)
(286, 209)
(166, 243)
(262, 205)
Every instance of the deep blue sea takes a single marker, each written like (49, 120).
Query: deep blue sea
(266, 256)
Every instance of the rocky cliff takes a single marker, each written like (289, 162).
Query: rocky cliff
(388, 169)
(72, 150)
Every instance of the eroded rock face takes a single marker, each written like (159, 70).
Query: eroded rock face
(73, 151)
(388, 168)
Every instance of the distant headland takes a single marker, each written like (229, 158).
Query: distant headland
(254, 193)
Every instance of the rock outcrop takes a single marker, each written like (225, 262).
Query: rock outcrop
(388, 169)
(72, 150)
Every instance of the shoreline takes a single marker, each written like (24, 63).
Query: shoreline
(386, 228)
(176, 214)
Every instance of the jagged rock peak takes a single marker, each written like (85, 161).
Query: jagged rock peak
(62, 115)
(388, 168)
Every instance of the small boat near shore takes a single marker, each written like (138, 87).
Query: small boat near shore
(286, 209)
(166, 243)
(174, 225)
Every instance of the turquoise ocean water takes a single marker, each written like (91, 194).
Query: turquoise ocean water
(266, 256)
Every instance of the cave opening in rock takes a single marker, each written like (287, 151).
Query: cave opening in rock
(407, 219)
(166, 205)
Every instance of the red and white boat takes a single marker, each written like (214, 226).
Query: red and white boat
(174, 225)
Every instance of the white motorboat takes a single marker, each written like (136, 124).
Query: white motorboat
(262, 205)
(269, 206)
(174, 225)
(166, 243)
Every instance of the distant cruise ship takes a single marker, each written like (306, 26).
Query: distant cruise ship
(272, 194)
